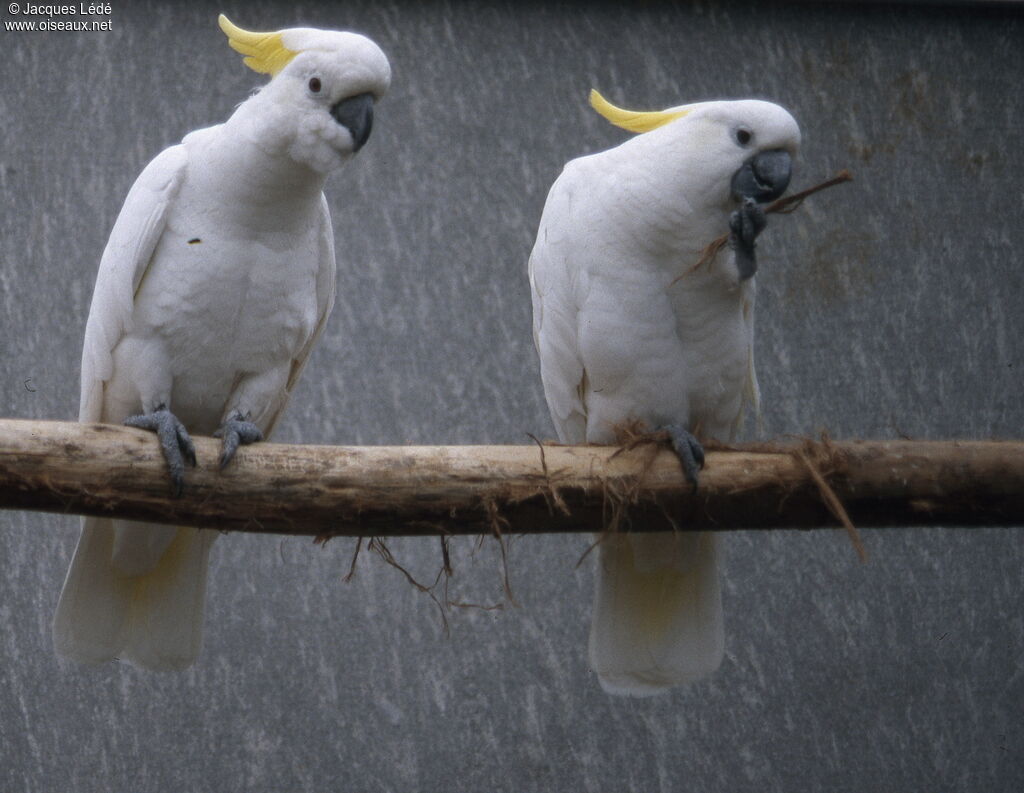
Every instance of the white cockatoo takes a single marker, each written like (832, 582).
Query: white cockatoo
(214, 286)
(627, 331)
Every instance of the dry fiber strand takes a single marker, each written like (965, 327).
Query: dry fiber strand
(783, 205)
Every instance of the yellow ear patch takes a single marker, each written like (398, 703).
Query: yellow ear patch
(265, 52)
(633, 120)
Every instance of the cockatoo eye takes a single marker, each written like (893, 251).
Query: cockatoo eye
(743, 136)
(314, 85)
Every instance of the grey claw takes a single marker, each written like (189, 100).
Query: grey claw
(175, 443)
(745, 224)
(235, 431)
(188, 449)
(688, 450)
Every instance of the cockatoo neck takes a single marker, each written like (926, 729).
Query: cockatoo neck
(675, 207)
(241, 180)
(259, 142)
(687, 200)
(671, 202)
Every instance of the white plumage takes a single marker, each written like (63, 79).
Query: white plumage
(216, 282)
(622, 338)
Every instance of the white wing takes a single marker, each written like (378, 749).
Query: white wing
(751, 389)
(126, 258)
(102, 613)
(555, 329)
(325, 291)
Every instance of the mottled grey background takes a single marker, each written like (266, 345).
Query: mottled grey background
(889, 307)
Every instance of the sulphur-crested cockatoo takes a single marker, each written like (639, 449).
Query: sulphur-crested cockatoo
(628, 332)
(216, 282)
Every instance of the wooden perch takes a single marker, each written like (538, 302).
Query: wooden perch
(97, 469)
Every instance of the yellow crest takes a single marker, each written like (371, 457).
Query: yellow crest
(264, 52)
(633, 120)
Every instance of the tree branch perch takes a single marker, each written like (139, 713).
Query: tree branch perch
(97, 469)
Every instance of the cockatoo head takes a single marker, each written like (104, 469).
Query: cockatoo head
(731, 149)
(319, 105)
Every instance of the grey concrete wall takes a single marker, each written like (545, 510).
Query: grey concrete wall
(889, 307)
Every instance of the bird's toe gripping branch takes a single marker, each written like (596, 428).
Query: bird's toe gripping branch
(236, 430)
(744, 225)
(688, 450)
(175, 443)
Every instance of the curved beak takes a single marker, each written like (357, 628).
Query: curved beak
(764, 177)
(356, 115)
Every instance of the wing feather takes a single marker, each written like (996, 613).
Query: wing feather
(325, 290)
(125, 260)
(555, 330)
(751, 389)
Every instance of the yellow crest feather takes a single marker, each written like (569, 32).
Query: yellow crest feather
(633, 120)
(264, 52)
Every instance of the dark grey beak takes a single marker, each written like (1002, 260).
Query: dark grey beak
(764, 177)
(356, 115)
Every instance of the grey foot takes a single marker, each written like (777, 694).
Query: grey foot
(744, 225)
(688, 450)
(175, 442)
(236, 430)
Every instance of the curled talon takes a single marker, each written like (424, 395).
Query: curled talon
(689, 451)
(236, 431)
(175, 442)
(745, 224)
